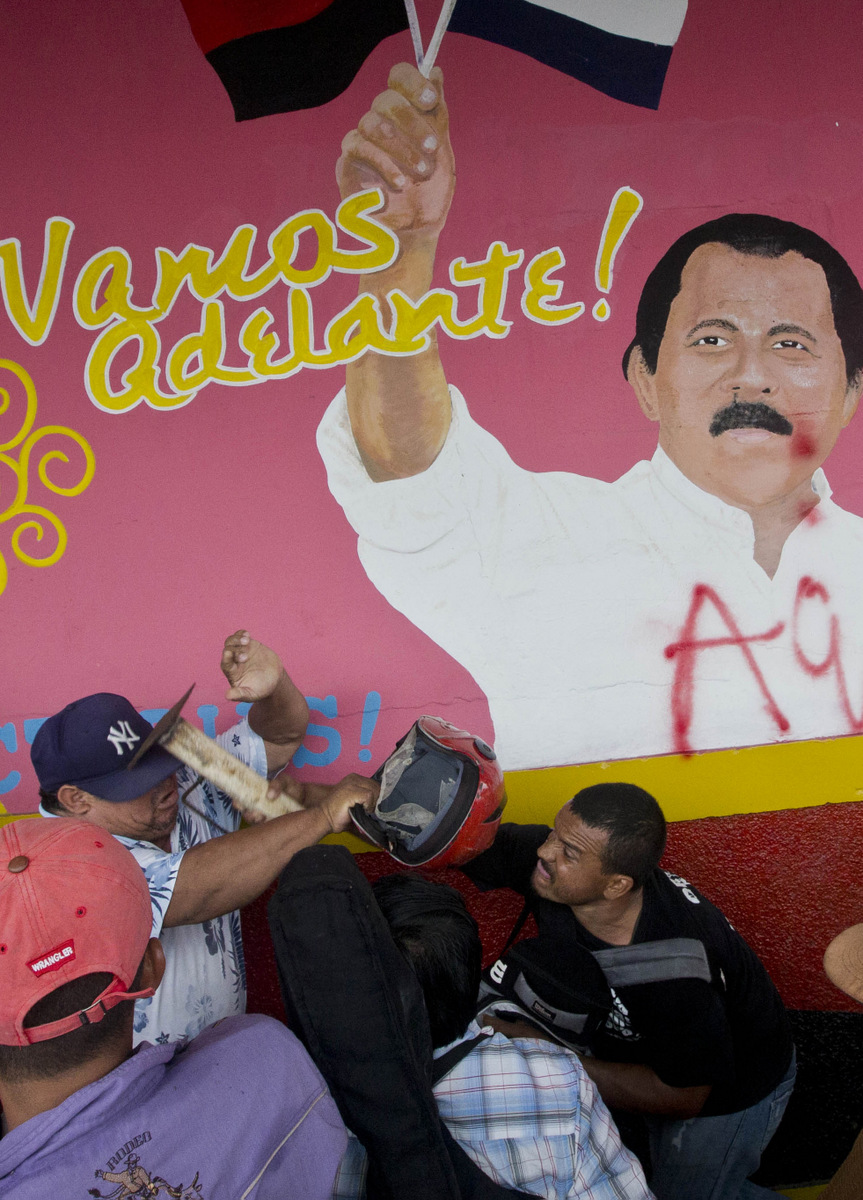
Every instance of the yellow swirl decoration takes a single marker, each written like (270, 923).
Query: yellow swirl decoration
(28, 518)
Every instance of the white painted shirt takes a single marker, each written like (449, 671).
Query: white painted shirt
(205, 975)
(612, 620)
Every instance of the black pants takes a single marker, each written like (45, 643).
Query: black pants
(357, 1006)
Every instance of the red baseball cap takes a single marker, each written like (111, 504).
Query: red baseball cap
(73, 901)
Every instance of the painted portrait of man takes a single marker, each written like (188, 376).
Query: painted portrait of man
(710, 596)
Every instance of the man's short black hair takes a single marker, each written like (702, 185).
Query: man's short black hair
(50, 801)
(56, 1056)
(431, 926)
(634, 822)
(766, 237)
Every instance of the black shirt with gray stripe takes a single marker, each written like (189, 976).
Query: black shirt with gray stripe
(691, 998)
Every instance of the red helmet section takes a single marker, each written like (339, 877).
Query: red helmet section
(470, 821)
(480, 824)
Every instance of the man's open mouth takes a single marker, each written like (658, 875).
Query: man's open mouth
(740, 415)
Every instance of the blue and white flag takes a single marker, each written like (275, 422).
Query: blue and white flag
(619, 47)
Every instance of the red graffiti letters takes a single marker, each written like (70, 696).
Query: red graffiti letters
(811, 589)
(689, 645)
(686, 650)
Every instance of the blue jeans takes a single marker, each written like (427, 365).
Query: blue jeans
(711, 1158)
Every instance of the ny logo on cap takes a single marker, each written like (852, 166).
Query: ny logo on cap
(122, 735)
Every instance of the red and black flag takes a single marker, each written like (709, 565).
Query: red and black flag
(275, 56)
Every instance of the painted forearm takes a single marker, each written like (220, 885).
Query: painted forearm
(399, 406)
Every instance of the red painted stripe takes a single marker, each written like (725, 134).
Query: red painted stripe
(216, 22)
(789, 881)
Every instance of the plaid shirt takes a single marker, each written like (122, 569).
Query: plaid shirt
(529, 1117)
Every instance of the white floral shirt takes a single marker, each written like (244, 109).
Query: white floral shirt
(205, 976)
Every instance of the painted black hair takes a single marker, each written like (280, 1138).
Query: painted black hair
(766, 237)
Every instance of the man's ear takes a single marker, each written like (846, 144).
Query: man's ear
(643, 383)
(75, 802)
(618, 886)
(852, 397)
(153, 964)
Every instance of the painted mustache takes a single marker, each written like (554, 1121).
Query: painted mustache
(740, 415)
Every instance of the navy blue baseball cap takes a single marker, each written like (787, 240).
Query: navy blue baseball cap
(90, 744)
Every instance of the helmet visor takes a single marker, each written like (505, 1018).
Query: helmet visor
(426, 794)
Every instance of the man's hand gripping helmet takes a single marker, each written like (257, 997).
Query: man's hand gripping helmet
(441, 798)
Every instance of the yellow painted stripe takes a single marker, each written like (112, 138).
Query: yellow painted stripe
(5, 817)
(718, 783)
(715, 784)
(807, 1193)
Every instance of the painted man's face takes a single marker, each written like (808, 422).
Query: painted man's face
(750, 387)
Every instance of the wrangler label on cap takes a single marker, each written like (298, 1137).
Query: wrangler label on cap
(53, 959)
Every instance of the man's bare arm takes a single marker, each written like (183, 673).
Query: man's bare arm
(400, 407)
(279, 713)
(633, 1087)
(630, 1087)
(232, 871)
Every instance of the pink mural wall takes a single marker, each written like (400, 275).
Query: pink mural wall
(209, 509)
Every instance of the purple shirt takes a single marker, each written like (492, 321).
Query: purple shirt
(240, 1112)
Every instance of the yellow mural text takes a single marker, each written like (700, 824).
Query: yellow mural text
(31, 521)
(139, 356)
(540, 291)
(625, 206)
(360, 326)
(34, 321)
